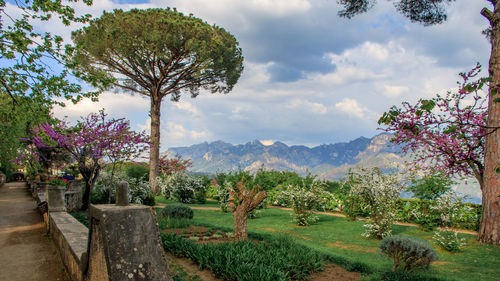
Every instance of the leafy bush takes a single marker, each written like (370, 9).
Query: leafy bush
(449, 240)
(223, 195)
(182, 187)
(278, 259)
(305, 198)
(178, 211)
(408, 253)
(378, 191)
(137, 171)
(140, 191)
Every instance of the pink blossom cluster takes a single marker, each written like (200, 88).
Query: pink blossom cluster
(93, 138)
(447, 132)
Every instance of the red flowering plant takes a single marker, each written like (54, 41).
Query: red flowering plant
(58, 181)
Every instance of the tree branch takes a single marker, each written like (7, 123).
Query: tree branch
(487, 14)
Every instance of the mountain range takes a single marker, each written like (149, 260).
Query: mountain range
(327, 161)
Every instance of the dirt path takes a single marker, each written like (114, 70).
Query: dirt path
(26, 252)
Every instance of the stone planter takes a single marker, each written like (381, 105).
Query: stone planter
(55, 198)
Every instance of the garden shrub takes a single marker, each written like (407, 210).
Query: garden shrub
(278, 259)
(178, 211)
(408, 253)
(137, 171)
(182, 187)
(140, 190)
(449, 240)
(304, 199)
(378, 191)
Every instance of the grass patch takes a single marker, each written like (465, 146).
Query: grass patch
(209, 203)
(342, 241)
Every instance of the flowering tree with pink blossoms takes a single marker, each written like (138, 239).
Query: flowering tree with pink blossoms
(445, 133)
(91, 141)
(448, 133)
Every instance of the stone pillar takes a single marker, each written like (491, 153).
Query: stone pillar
(122, 194)
(39, 193)
(55, 198)
(124, 244)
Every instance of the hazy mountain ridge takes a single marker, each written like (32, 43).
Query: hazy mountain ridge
(322, 160)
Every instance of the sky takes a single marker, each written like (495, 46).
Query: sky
(310, 77)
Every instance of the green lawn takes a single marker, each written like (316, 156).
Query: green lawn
(208, 203)
(339, 237)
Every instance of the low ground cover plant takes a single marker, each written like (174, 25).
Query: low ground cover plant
(407, 253)
(177, 211)
(279, 259)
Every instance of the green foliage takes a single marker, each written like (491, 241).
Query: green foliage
(16, 119)
(408, 253)
(449, 240)
(138, 171)
(140, 191)
(378, 191)
(178, 211)
(431, 186)
(193, 53)
(182, 187)
(82, 217)
(278, 259)
(401, 275)
(26, 53)
(304, 199)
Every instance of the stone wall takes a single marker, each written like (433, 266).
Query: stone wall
(70, 237)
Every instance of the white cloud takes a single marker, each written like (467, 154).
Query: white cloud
(307, 106)
(394, 91)
(177, 135)
(116, 105)
(351, 107)
(187, 106)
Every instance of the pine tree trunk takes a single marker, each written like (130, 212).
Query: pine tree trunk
(489, 231)
(240, 224)
(154, 153)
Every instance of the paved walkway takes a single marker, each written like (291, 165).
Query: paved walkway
(26, 252)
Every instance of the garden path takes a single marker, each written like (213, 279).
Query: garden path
(27, 253)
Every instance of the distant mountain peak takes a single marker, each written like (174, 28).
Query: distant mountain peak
(321, 160)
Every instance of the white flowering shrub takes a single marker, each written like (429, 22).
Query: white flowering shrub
(449, 240)
(180, 186)
(140, 191)
(448, 207)
(378, 191)
(304, 199)
(223, 195)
